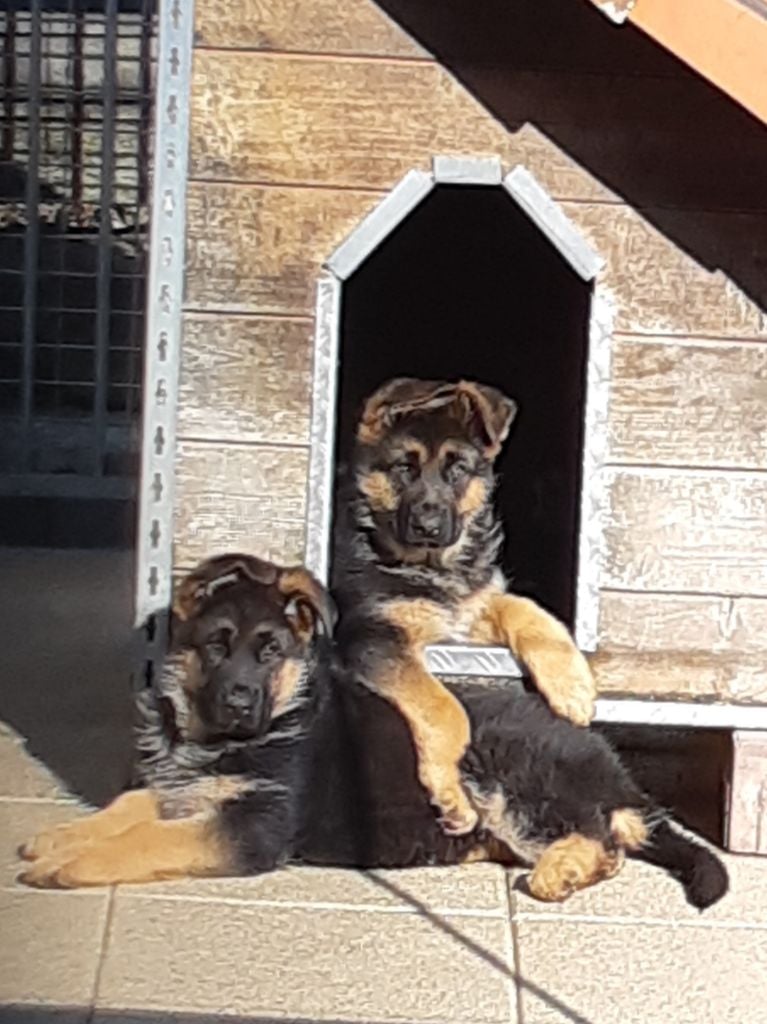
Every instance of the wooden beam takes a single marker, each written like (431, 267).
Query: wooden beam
(723, 40)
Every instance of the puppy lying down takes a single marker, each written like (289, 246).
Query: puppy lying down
(254, 751)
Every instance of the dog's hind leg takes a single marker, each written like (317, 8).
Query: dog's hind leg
(128, 809)
(572, 863)
(544, 644)
(146, 852)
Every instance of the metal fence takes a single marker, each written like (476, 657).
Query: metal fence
(77, 84)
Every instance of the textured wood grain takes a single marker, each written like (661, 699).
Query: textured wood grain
(241, 497)
(245, 379)
(356, 26)
(260, 249)
(736, 678)
(659, 288)
(255, 248)
(701, 403)
(647, 623)
(685, 531)
(349, 123)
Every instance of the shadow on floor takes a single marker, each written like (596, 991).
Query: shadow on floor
(68, 656)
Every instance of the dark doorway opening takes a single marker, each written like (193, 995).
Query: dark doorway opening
(468, 287)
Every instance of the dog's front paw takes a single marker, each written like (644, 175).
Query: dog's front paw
(575, 694)
(74, 870)
(53, 842)
(456, 817)
(576, 708)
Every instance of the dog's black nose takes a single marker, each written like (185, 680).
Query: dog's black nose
(427, 523)
(240, 697)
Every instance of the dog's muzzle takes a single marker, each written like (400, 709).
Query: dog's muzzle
(428, 524)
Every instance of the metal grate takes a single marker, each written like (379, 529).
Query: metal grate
(74, 190)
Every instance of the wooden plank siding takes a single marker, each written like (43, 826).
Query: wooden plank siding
(315, 26)
(303, 117)
(246, 379)
(241, 497)
(688, 402)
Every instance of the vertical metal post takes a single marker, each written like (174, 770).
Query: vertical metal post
(104, 279)
(164, 303)
(32, 234)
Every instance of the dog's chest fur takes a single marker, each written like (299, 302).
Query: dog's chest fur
(427, 622)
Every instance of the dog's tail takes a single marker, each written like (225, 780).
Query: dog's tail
(702, 874)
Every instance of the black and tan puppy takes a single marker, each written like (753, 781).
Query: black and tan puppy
(252, 754)
(417, 564)
(219, 741)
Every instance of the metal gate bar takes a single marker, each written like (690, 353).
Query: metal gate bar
(104, 283)
(77, 83)
(31, 236)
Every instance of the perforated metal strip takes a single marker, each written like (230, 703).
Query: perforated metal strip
(164, 304)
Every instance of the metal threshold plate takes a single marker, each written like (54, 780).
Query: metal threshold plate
(468, 661)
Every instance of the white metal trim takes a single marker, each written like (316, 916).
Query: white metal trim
(323, 426)
(352, 252)
(594, 460)
(380, 223)
(685, 714)
(552, 221)
(467, 170)
(164, 304)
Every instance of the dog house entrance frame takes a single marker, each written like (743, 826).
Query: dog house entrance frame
(532, 199)
(477, 661)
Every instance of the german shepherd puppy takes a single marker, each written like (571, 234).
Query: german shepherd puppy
(220, 741)
(252, 753)
(416, 562)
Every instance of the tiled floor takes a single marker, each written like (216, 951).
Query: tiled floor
(439, 945)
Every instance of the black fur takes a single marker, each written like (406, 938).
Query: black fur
(339, 787)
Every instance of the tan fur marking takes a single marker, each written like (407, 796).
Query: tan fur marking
(427, 622)
(378, 489)
(440, 729)
(410, 446)
(570, 864)
(628, 828)
(490, 850)
(423, 621)
(494, 817)
(284, 685)
(544, 644)
(147, 852)
(126, 810)
(473, 498)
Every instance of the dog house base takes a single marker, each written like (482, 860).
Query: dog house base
(747, 817)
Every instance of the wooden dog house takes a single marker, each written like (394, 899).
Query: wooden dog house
(349, 184)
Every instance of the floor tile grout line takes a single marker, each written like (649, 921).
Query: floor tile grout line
(106, 936)
(726, 924)
(512, 939)
(365, 908)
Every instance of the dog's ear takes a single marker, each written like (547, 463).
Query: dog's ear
(307, 602)
(397, 398)
(203, 581)
(488, 414)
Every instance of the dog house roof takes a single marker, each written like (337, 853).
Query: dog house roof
(519, 183)
(723, 40)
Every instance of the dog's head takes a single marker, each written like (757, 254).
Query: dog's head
(424, 461)
(249, 628)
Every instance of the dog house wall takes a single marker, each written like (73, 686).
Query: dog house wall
(302, 119)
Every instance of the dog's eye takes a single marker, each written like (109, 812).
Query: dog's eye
(455, 468)
(218, 646)
(406, 470)
(268, 649)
